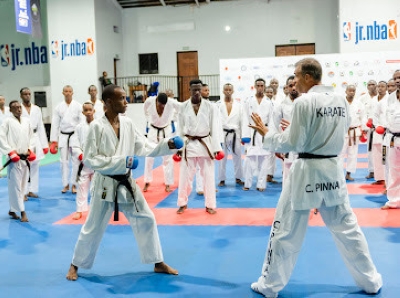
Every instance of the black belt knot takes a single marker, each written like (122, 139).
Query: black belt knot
(122, 180)
(228, 131)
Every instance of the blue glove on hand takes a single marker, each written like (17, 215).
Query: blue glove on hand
(246, 140)
(132, 162)
(178, 142)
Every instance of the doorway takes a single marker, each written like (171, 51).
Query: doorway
(187, 70)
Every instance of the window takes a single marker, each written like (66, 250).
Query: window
(148, 63)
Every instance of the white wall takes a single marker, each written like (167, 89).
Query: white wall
(357, 13)
(257, 26)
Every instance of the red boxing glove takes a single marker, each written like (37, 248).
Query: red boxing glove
(14, 156)
(380, 130)
(363, 138)
(219, 155)
(80, 157)
(370, 123)
(45, 150)
(31, 156)
(176, 157)
(54, 148)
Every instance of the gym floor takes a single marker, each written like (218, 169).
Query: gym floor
(216, 255)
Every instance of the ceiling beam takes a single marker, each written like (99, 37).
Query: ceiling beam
(197, 3)
(163, 2)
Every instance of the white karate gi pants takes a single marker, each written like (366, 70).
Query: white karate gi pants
(287, 235)
(256, 165)
(351, 152)
(33, 186)
(379, 167)
(168, 169)
(271, 166)
(186, 174)
(199, 181)
(82, 193)
(67, 156)
(17, 183)
(393, 178)
(236, 159)
(143, 225)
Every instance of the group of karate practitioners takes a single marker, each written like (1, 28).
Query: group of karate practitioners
(292, 129)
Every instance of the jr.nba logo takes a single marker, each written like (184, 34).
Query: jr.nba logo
(4, 55)
(347, 31)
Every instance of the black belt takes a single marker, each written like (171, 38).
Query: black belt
(159, 129)
(314, 156)
(80, 168)
(69, 136)
(254, 136)
(371, 137)
(228, 131)
(35, 130)
(394, 135)
(122, 180)
(22, 157)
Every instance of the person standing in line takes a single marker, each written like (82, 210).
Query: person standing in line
(277, 96)
(4, 113)
(230, 111)
(111, 145)
(160, 112)
(41, 144)
(392, 144)
(66, 116)
(282, 116)
(319, 124)
(85, 174)
(391, 86)
(378, 119)
(256, 159)
(97, 103)
(358, 120)
(199, 126)
(16, 137)
(369, 101)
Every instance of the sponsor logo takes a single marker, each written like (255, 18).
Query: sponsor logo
(361, 32)
(14, 56)
(76, 48)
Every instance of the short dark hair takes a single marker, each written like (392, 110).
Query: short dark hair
(311, 67)
(382, 82)
(162, 98)
(289, 78)
(88, 103)
(91, 87)
(204, 85)
(22, 89)
(195, 82)
(12, 102)
(109, 92)
(260, 80)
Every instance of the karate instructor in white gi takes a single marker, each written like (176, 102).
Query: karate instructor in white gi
(316, 180)
(112, 142)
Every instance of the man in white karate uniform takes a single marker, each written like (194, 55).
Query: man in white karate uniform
(369, 101)
(282, 116)
(392, 144)
(97, 103)
(257, 160)
(16, 139)
(230, 113)
(319, 124)
(112, 142)
(85, 174)
(198, 126)
(41, 144)
(358, 124)
(378, 119)
(66, 116)
(4, 113)
(160, 112)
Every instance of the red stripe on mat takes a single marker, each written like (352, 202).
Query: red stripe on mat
(367, 217)
(361, 189)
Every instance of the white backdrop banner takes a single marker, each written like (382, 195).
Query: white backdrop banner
(339, 70)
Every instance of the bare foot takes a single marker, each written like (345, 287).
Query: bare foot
(65, 189)
(13, 215)
(146, 186)
(25, 198)
(260, 189)
(167, 188)
(386, 207)
(32, 195)
(164, 268)
(24, 218)
(77, 215)
(246, 188)
(200, 193)
(73, 190)
(72, 273)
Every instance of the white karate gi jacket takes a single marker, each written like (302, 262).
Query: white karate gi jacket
(324, 115)
(231, 121)
(15, 135)
(39, 132)
(65, 118)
